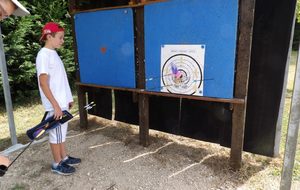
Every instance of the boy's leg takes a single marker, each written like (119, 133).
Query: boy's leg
(56, 152)
(55, 140)
(59, 166)
(72, 161)
(63, 152)
(58, 136)
(64, 129)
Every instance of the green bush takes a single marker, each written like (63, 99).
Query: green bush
(21, 44)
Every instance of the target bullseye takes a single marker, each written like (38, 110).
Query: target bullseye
(183, 75)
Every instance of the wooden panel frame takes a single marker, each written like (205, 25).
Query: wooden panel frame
(245, 26)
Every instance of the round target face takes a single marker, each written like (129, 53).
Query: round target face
(181, 74)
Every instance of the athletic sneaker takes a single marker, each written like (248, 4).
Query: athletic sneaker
(71, 161)
(63, 169)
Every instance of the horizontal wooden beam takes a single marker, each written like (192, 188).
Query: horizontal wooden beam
(74, 11)
(143, 91)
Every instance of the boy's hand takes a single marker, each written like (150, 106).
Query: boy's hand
(57, 113)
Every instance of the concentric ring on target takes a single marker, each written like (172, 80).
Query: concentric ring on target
(181, 74)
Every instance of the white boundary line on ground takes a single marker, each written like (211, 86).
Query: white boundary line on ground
(104, 144)
(147, 153)
(192, 165)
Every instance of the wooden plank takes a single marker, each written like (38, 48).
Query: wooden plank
(131, 5)
(81, 93)
(140, 47)
(140, 75)
(246, 18)
(143, 91)
(202, 98)
(144, 119)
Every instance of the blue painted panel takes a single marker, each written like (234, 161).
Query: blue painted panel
(211, 23)
(105, 42)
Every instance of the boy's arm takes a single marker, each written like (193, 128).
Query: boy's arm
(43, 78)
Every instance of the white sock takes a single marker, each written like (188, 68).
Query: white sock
(54, 164)
(65, 158)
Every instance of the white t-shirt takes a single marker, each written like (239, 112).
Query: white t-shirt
(48, 62)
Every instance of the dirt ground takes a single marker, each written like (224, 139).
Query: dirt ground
(114, 160)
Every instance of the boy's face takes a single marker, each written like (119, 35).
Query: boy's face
(57, 40)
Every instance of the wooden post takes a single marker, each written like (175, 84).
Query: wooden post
(246, 20)
(81, 92)
(144, 119)
(140, 67)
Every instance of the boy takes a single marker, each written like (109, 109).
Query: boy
(55, 94)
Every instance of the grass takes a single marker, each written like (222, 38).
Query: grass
(26, 115)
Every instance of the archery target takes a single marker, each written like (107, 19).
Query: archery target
(182, 69)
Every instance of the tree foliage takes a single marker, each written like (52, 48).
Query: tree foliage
(21, 44)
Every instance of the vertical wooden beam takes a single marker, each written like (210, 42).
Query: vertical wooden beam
(140, 68)
(139, 46)
(81, 92)
(144, 119)
(245, 26)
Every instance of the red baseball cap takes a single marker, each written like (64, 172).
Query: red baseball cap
(49, 28)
